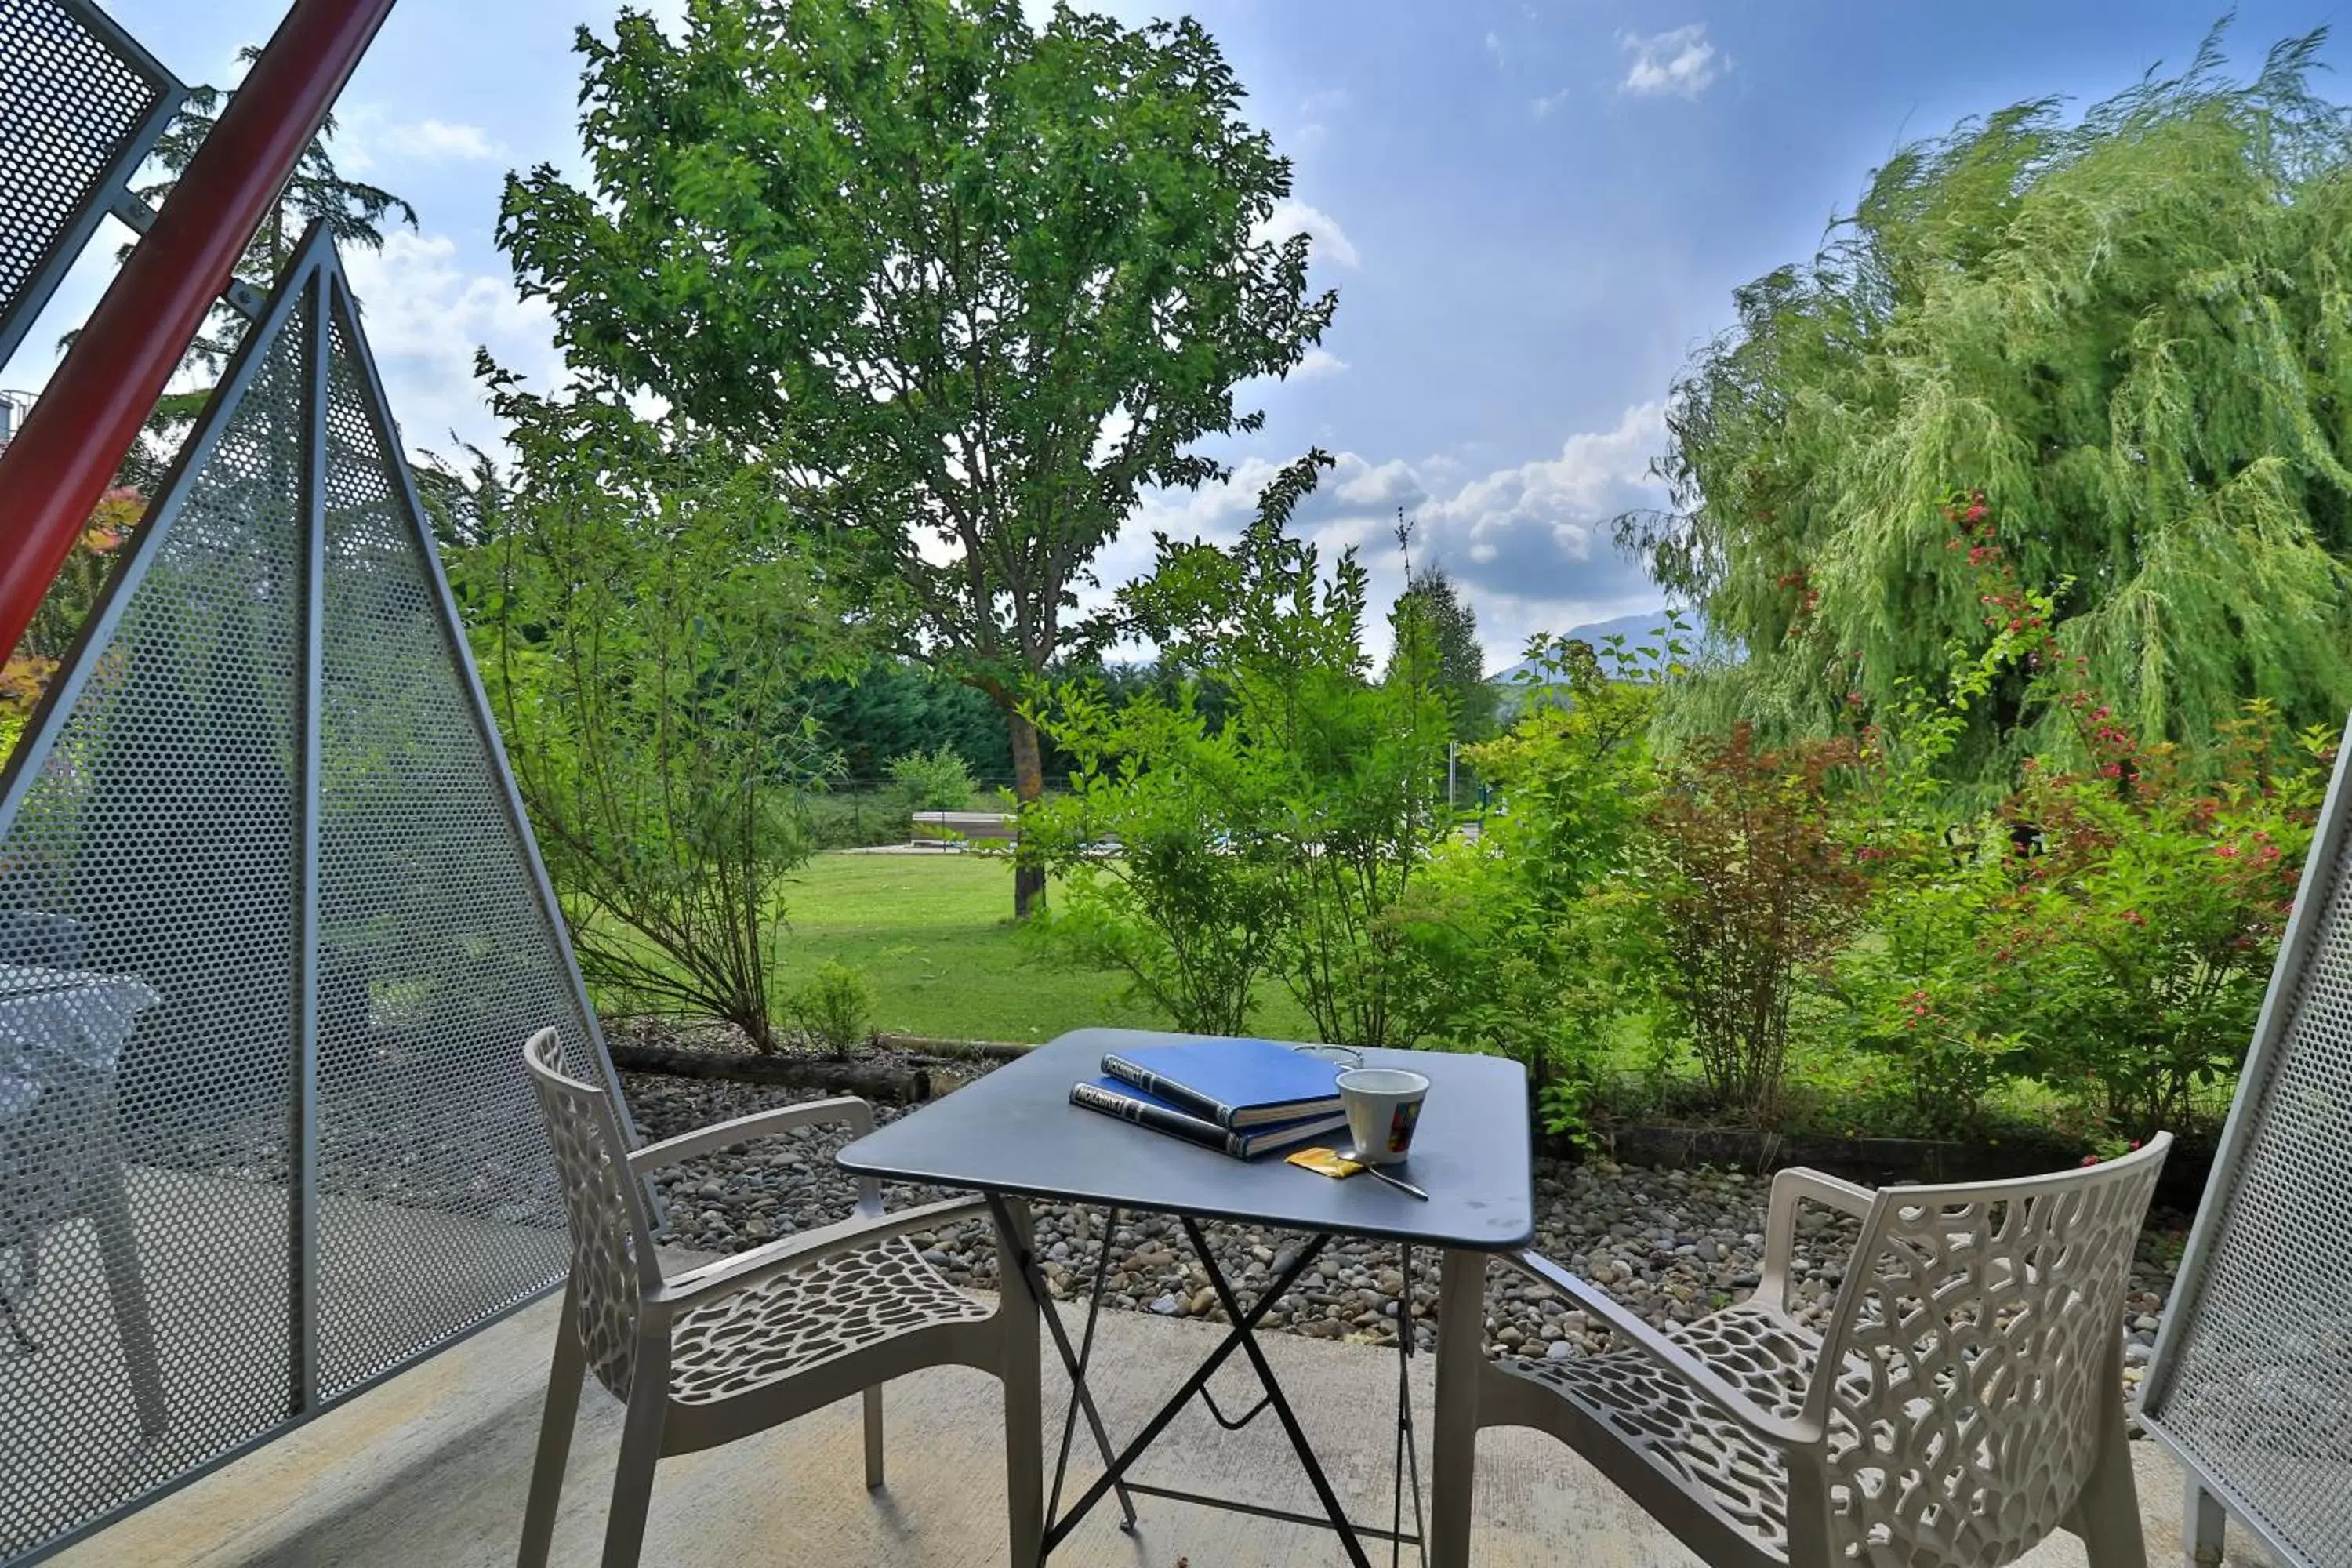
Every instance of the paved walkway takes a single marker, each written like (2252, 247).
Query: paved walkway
(429, 1471)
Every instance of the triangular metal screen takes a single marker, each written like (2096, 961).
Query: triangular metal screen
(272, 933)
(2252, 1380)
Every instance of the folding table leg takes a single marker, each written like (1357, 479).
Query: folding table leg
(1242, 1325)
(1078, 1381)
(1408, 1446)
(1282, 1411)
(1025, 1250)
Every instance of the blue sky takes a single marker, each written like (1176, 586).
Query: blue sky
(1532, 213)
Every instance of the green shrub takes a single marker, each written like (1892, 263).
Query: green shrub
(1531, 941)
(644, 676)
(1753, 887)
(853, 819)
(1287, 837)
(832, 1009)
(1172, 877)
(933, 780)
(2141, 938)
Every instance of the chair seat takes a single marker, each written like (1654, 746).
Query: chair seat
(797, 1319)
(1702, 1452)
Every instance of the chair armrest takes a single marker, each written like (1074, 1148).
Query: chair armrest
(1702, 1379)
(758, 1124)
(1790, 1188)
(731, 1274)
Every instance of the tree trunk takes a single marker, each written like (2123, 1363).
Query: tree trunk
(1028, 783)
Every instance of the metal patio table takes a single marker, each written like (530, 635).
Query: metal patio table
(1012, 1135)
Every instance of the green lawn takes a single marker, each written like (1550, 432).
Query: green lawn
(935, 936)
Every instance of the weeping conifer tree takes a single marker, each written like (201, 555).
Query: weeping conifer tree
(2131, 333)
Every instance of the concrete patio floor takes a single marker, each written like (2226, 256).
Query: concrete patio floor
(429, 1470)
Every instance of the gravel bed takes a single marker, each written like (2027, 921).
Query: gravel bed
(1671, 1245)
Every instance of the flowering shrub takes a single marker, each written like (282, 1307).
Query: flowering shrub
(2110, 928)
(2141, 935)
(1754, 883)
(1917, 988)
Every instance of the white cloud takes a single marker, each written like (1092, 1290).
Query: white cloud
(1529, 544)
(438, 141)
(1680, 61)
(1551, 103)
(1319, 363)
(1494, 47)
(1329, 242)
(424, 315)
(367, 136)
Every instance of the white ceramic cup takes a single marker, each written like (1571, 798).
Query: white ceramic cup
(1383, 1106)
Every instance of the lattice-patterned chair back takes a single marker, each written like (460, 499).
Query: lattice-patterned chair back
(1971, 1357)
(732, 1346)
(1964, 1400)
(612, 1259)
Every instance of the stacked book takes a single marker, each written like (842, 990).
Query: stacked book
(1243, 1097)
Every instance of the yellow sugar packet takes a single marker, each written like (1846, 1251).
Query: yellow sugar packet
(1326, 1162)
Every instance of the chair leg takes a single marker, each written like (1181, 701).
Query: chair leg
(554, 1440)
(2205, 1526)
(633, 1477)
(1453, 1441)
(1024, 1428)
(873, 1438)
(2106, 1516)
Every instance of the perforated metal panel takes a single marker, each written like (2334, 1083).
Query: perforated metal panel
(271, 936)
(434, 944)
(81, 104)
(2252, 1380)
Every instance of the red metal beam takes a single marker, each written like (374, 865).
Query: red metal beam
(74, 440)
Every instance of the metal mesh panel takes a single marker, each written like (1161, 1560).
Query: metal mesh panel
(78, 107)
(436, 961)
(212, 1216)
(2256, 1381)
(147, 1011)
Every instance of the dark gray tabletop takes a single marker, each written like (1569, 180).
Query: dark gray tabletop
(1016, 1131)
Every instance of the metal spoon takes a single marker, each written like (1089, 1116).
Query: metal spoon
(1398, 1183)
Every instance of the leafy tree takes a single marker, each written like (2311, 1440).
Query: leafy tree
(1430, 596)
(1349, 773)
(645, 609)
(2119, 335)
(28, 670)
(892, 706)
(965, 282)
(354, 212)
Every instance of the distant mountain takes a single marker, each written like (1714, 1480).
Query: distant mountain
(1634, 629)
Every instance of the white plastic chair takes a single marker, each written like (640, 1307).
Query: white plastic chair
(752, 1341)
(1965, 1400)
